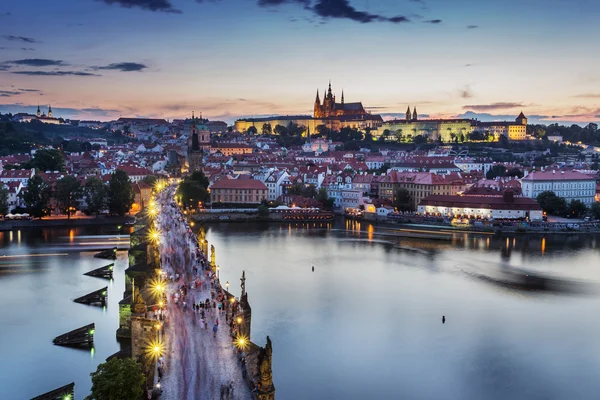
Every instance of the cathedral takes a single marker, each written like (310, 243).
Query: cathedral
(330, 108)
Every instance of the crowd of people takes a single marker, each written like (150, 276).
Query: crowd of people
(194, 288)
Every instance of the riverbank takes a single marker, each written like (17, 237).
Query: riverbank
(7, 225)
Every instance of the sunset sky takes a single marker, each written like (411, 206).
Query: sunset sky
(101, 59)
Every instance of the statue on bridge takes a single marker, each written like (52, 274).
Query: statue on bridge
(266, 390)
(243, 285)
(213, 256)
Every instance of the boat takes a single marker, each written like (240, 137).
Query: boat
(460, 223)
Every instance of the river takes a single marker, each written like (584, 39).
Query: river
(367, 323)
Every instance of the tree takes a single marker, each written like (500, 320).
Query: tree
(263, 211)
(403, 200)
(496, 170)
(419, 139)
(3, 201)
(117, 379)
(266, 129)
(67, 194)
(323, 197)
(37, 196)
(150, 180)
(191, 192)
(120, 193)
(595, 210)
(551, 203)
(198, 176)
(95, 195)
(47, 160)
(281, 130)
(577, 208)
(252, 130)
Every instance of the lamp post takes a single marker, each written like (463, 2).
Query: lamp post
(227, 286)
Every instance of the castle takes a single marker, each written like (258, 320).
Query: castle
(330, 108)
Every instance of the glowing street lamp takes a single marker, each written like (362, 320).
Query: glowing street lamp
(155, 348)
(238, 320)
(241, 342)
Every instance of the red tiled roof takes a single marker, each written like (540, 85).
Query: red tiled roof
(238, 184)
(557, 175)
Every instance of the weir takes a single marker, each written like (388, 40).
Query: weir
(80, 337)
(96, 298)
(66, 392)
(105, 272)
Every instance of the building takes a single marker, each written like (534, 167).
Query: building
(143, 193)
(419, 185)
(198, 141)
(230, 149)
(571, 185)
(448, 130)
(239, 191)
(506, 206)
(330, 108)
(329, 114)
(16, 175)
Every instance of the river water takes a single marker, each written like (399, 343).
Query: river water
(365, 324)
(41, 272)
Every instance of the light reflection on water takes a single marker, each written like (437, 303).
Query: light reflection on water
(367, 322)
(41, 272)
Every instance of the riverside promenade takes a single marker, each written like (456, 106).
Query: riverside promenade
(198, 363)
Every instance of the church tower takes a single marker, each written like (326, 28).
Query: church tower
(318, 112)
(408, 115)
(198, 141)
(521, 119)
(49, 111)
(39, 112)
(415, 114)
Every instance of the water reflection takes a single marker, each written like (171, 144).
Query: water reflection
(367, 322)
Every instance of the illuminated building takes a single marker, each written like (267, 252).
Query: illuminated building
(239, 191)
(571, 185)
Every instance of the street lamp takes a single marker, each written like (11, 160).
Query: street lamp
(227, 285)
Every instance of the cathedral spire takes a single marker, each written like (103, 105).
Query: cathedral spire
(408, 113)
(329, 90)
(39, 112)
(318, 100)
(342, 96)
(415, 113)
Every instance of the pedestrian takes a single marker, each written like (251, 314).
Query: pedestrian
(215, 331)
(217, 322)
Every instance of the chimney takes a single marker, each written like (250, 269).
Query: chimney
(508, 196)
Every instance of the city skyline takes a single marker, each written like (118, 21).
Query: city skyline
(229, 59)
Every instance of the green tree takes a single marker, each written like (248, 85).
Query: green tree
(95, 195)
(551, 203)
(191, 192)
(67, 193)
(577, 208)
(419, 139)
(47, 160)
(120, 379)
(403, 200)
(281, 130)
(198, 176)
(3, 200)
(266, 129)
(120, 193)
(496, 170)
(252, 130)
(37, 196)
(323, 197)
(595, 210)
(263, 211)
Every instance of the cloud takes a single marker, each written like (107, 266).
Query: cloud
(433, 21)
(27, 49)
(54, 73)
(268, 3)
(125, 66)
(493, 106)
(20, 39)
(16, 92)
(472, 26)
(587, 96)
(466, 92)
(37, 62)
(150, 5)
(343, 10)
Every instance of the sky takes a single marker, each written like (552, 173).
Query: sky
(226, 59)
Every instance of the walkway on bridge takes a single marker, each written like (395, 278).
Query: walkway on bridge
(197, 364)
